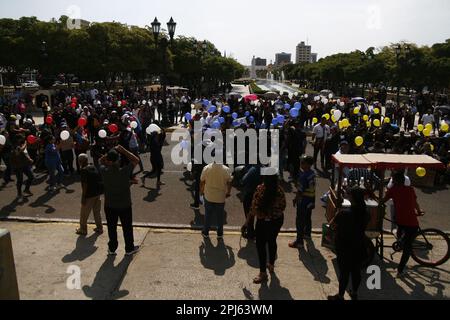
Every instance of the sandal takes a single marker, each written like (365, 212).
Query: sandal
(262, 277)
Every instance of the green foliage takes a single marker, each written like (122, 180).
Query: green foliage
(105, 51)
(421, 66)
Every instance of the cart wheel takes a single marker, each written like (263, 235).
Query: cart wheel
(370, 250)
(430, 248)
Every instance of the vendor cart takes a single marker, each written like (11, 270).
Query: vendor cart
(377, 165)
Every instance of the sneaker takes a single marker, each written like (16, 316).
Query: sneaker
(195, 206)
(112, 253)
(135, 250)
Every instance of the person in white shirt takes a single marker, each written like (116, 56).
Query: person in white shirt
(215, 186)
(320, 135)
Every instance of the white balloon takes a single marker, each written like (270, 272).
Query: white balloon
(317, 98)
(144, 102)
(330, 96)
(342, 104)
(309, 108)
(153, 128)
(160, 102)
(102, 134)
(65, 135)
(337, 114)
(2, 140)
(19, 117)
(338, 101)
(134, 124)
(325, 101)
(306, 96)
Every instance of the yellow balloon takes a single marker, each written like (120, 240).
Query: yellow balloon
(431, 147)
(341, 126)
(333, 118)
(376, 111)
(366, 117)
(345, 123)
(420, 127)
(315, 120)
(368, 124)
(359, 141)
(429, 126)
(444, 127)
(376, 123)
(421, 172)
(387, 120)
(426, 132)
(356, 110)
(327, 116)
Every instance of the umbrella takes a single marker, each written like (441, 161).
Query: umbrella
(251, 97)
(359, 99)
(271, 95)
(443, 109)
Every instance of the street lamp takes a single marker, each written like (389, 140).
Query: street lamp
(156, 29)
(171, 26)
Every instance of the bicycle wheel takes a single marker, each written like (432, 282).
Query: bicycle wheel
(431, 248)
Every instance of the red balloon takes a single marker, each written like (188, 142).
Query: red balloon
(113, 128)
(31, 139)
(124, 103)
(73, 105)
(74, 99)
(49, 120)
(82, 122)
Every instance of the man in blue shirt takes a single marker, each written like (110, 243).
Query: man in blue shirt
(305, 202)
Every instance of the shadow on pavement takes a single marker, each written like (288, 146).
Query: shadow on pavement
(42, 201)
(11, 208)
(152, 195)
(84, 248)
(108, 279)
(249, 254)
(218, 259)
(314, 262)
(273, 290)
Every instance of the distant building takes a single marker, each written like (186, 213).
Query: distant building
(313, 57)
(259, 62)
(282, 59)
(303, 53)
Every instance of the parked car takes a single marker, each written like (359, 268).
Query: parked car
(30, 84)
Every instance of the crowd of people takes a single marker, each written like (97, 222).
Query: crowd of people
(115, 129)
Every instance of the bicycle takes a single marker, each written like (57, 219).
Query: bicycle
(430, 248)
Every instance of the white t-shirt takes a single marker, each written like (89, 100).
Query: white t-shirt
(216, 178)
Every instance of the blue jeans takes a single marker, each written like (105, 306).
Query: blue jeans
(56, 174)
(211, 210)
(303, 221)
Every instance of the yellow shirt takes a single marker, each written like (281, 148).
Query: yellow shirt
(216, 178)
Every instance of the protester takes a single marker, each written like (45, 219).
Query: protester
(215, 186)
(320, 135)
(350, 239)
(407, 210)
(21, 164)
(250, 182)
(53, 164)
(91, 190)
(304, 202)
(116, 180)
(269, 203)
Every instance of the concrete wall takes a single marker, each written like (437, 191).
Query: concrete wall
(8, 281)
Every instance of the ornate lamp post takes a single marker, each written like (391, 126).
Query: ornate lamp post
(156, 28)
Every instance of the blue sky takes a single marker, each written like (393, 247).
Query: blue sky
(261, 27)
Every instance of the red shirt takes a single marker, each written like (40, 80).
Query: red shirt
(405, 205)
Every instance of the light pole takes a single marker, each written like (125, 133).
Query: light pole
(156, 28)
(398, 51)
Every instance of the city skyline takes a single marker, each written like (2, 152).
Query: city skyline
(330, 26)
